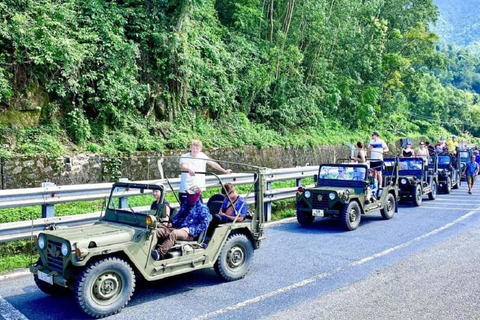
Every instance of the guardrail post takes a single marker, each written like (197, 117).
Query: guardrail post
(123, 202)
(298, 182)
(48, 210)
(268, 205)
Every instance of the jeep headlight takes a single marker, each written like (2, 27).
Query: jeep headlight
(41, 242)
(150, 221)
(307, 194)
(332, 195)
(403, 181)
(65, 249)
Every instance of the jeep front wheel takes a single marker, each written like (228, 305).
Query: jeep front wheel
(53, 290)
(448, 187)
(417, 195)
(305, 218)
(388, 210)
(433, 194)
(235, 259)
(104, 287)
(351, 216)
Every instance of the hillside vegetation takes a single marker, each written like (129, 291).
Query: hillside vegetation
(458, 22)
(138, 75)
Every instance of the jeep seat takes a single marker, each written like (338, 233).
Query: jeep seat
(214, 204)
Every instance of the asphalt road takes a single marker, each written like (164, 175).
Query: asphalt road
(422, 264)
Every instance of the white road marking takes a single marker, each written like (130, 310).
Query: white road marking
(444, 208)
(455, 203)
(8, 312)
(337, 270)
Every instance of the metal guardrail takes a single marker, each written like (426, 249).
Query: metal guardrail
(49, 195)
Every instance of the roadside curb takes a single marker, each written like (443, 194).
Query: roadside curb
(15, 274)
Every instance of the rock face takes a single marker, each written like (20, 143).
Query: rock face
(91, 168)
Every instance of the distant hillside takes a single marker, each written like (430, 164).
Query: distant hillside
(459, 22)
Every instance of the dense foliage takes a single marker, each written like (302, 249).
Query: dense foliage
(131, 75)
(458, 22)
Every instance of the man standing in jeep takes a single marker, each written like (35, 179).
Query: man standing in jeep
(191, 220)
(191, 163)
(377, 147)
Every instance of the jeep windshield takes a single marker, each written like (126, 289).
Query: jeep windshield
(444, 161)
(131, 202)
(342, 175)
(464, 156)
(410, 166)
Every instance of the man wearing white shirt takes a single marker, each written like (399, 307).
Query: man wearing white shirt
(193, 162)
(377, 147)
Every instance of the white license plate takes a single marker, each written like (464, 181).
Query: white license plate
(45, 277)
(318, 212)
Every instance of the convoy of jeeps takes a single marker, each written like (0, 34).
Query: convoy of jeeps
(101, 263)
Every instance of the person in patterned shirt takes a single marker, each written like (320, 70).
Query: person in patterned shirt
(192, 219)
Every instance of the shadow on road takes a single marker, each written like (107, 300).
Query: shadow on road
(325, 225)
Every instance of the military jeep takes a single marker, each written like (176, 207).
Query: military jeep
(342, 191)
(417, 177)
(101, 263)
(448, 172)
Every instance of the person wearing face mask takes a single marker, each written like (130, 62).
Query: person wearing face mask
(192, 219)
(193, 162)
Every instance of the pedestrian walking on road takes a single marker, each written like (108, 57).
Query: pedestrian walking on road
(471, 171)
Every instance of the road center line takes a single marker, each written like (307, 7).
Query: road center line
(8, 312)
(337, 270)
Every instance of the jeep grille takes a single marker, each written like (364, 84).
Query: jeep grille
(316, 203)
(54, 255)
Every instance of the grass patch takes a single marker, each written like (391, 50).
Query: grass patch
(16, 254)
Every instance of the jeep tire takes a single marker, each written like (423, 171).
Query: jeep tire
(448, 186)
(433, 193)
(351, 215)
(105, 287)
(53, 290)
(235, 259)
(388, 210)
(303, 217)
(417, 195)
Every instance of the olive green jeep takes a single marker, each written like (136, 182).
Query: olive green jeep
(417, 177)
(344, 191)
(101, 263)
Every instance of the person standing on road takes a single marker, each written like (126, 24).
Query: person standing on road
(471, 171)
(191, 163)
(377, 147)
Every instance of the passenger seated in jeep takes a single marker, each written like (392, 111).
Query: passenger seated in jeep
(342, 174)
(191, 220)
(231, 206)
(154, 206)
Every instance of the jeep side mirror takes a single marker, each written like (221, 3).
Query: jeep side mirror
(315, 178)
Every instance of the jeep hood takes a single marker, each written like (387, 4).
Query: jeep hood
(100, 233)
